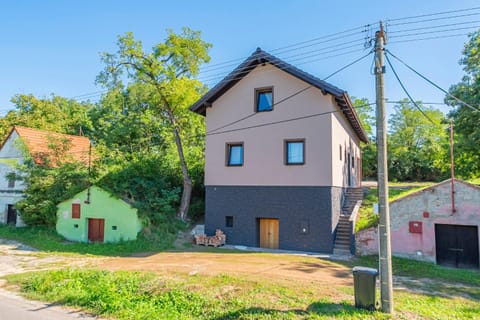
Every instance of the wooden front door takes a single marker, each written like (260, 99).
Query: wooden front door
(96, 229)
(268, 229)
(457, 246)
(11, 215)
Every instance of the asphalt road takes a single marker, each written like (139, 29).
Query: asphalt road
(13, 307)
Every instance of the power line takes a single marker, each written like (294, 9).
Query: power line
(349, 32)
(284, 63)
(88, 94)
(286, 66)
(279, 50)
(435, 19)
(434, 103)
(320, 52)
(434, 27)
(272, 123)
(342, 35)
(432, 32)
(434, 84)
(405, 90)
(333, 48)
(435, 14)
(431, 38)
(236, 61)
(283, 66)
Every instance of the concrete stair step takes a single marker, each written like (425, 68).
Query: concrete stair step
(345, 235)
(341, 252)
(341, 248)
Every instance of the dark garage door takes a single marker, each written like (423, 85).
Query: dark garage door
(457, 246)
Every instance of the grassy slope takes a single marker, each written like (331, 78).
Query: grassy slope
(366, 218)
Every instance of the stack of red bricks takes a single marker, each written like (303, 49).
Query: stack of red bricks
(217, 240)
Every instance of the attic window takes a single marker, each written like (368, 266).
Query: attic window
(264, 99)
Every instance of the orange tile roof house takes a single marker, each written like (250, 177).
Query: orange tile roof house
(38, 144)
(282, 158)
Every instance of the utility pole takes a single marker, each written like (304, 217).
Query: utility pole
(385, 249)
(452, 167)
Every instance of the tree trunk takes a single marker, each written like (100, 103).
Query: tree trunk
(187, 181)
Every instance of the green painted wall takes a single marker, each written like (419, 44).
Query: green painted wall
(121, 220)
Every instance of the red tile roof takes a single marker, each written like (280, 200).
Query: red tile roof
(37, 143)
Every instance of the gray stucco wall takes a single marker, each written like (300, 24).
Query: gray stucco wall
(295, 207)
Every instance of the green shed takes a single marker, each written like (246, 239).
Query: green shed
(100, 217)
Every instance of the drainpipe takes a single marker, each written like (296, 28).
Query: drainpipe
(452, 167)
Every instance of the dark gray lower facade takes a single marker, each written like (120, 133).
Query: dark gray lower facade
(307, 216)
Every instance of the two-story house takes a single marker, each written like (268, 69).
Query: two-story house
(282, 149)
(38, 144)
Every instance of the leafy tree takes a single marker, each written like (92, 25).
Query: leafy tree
(123, 122)
(467, 130)
(53, 178)
(417, 145)
(57, 114)
(167, 71)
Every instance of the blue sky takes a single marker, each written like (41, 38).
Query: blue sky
(53, 46)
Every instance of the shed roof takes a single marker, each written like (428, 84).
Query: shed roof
(260, 57)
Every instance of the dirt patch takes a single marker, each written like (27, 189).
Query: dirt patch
(17, 258)
(275, 266)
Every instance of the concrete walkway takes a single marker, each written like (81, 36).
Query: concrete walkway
(300, 253)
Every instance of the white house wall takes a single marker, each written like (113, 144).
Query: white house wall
(10, 156)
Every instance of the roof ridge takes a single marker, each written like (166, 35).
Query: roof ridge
(291, 66)
(49, 131)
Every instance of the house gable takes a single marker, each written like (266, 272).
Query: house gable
(260, 57)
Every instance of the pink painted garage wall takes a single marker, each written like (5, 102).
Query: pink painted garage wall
(429, 207)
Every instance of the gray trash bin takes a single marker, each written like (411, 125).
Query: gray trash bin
(364, 282)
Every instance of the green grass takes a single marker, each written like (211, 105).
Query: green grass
(419, 269)
(132, 295)
(475, 181)
(47, 239)
(366, 218)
